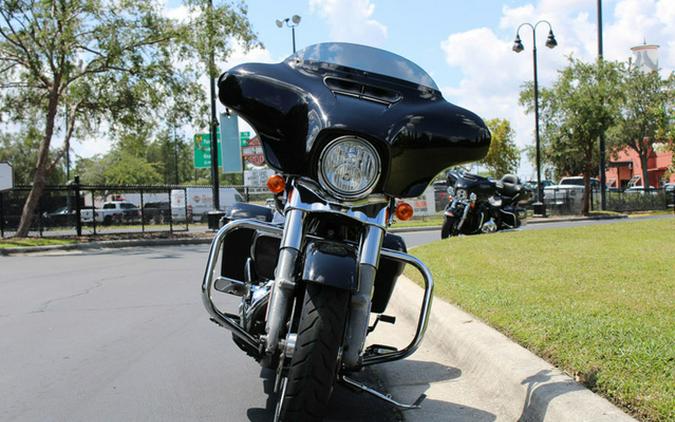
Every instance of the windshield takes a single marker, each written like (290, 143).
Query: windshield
(575, 182)
(368, 59)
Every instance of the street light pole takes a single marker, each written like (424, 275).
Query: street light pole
(603, 182)
(295, 19)
(540, 193)
(539, 205)
(213, 124)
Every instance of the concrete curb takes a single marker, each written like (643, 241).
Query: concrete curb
(128, 243)
(494, 378)
(529, 221)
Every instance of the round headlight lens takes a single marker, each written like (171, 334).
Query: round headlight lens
(349, 167)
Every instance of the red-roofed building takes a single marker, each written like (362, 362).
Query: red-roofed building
(626, 170)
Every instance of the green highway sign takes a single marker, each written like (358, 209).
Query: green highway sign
(244, 138)
(202, 147)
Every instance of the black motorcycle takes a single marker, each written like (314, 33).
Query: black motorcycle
(351, 130)
(481, 205)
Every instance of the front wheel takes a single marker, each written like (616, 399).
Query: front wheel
(309, 383)
(448, 227)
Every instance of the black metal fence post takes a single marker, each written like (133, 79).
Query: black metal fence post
(142, 213)
(93, 211)
(40, 222)
(188, 218)
(78, 210)
(170, 214)
(2, 216)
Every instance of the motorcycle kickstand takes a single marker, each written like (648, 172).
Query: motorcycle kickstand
(385, 397)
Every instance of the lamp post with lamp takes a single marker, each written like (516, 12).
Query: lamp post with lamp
(291, 22)
(539, 206)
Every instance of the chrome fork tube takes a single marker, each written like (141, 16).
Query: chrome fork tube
(369, 256)
(464, 214)
(284, 278)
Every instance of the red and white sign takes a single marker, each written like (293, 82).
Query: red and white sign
(253, 153)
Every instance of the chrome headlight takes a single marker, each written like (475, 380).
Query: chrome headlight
(461, 194)
(349, 167)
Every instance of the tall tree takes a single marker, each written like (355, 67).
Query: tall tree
(646, 113)
(503, 156)
(580, 106)
(112, 62)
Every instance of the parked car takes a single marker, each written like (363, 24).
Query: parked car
(639, 190)
(116, 212)
(572, 185)
(157, 212)
(63, 217)
(59, 217)
(532, 184)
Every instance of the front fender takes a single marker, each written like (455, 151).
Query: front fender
(331, 263)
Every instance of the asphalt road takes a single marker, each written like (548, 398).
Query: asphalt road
(121, 335)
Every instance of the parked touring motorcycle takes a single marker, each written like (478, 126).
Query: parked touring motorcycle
(481, 205)
(351, 130)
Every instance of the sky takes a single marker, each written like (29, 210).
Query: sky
(464, 46)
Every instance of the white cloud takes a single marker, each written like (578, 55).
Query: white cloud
(493, 74)
(350, 21)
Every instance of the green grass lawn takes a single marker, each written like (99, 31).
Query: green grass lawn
(596, 301)
(31, 241)
(436, 220)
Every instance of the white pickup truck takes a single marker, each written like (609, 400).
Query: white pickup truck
(116, 212)
(569, 191)
(87, 215)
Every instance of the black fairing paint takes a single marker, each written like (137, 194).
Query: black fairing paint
(417, 132)
(481, 186)
(330, 263)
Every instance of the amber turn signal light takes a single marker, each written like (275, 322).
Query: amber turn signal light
(404, 211)
(276, 183)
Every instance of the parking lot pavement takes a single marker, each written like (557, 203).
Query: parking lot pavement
(121, 335)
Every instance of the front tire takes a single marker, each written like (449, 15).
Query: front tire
(448, 227)
(309, 383)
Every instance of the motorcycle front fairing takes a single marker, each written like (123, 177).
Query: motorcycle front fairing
(302, 103)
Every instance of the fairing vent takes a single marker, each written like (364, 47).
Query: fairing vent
(363, 91)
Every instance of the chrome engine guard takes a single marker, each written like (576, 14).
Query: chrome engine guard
(231, 322)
